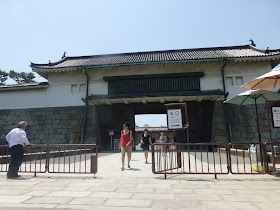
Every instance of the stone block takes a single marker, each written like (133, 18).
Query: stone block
(252, 122)
(221, 138)
(220, 118)
(77, 129)
(236, 134)
(220, 132)
(250, 135)
(221, 125)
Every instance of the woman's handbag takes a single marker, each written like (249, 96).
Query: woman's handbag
(142, 145)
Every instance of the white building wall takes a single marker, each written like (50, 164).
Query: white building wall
(248, 72)
(21, 99)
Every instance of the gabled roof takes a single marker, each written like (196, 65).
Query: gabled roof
(154, 57)
(24, 86)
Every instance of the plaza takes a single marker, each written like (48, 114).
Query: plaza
(138, 188)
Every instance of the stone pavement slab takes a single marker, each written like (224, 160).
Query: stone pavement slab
(14, 198)
(88, 201)
(111, 195)
(12, 192)
(178, 204)
(195, 197)
(268, 205)
(128, 203)
(38, 193)
(73, 194)
(229, 205)
(48, 200)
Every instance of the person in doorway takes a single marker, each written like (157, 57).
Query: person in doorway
(167, 140)
(153, 139)
(17, 140)
(126, 144)
(162, 140)
(146, 141)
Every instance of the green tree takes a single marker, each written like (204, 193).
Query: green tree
(22, 77)
(3, 77)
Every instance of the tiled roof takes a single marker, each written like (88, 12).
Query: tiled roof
(157, 94)
(211, 54)
(24, 86)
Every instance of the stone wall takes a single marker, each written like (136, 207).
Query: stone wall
(243, 124)
(219, 127)
(59, 125)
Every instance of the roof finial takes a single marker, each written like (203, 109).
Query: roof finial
(252, 42)
(63, 56)
(267, 50)
(50, 62)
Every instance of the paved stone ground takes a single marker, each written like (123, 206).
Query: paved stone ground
(138, 188)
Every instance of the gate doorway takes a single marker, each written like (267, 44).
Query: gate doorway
(155, 123)
(111, 117)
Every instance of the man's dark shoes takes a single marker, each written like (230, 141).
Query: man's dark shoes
(13, 177)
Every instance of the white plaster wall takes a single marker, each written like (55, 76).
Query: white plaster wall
(33, 98)
(61, 95)
(248, 71)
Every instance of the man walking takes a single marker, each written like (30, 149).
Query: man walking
(16, 139)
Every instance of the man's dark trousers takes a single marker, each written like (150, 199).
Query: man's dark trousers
(16, 160)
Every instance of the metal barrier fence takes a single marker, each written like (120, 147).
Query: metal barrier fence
(201, 158)
(247, 161)
(215, 158)
(73, 158)
(60, 158)
(273, 158)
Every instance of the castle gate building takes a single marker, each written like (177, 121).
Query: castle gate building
(86, 96)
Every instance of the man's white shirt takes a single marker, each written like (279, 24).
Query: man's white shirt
(17, 136)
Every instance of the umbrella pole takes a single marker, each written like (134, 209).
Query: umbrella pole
(258, 127)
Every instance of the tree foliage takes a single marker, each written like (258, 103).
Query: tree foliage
(3, 77)
(22, 77)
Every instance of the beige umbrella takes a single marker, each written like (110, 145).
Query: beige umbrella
(269, 80)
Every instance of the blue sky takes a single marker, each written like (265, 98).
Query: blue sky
(39, 31)
(153, 120)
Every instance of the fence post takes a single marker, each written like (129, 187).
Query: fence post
(228, 158)
(153, 158)
(273, 158)
(47, 158)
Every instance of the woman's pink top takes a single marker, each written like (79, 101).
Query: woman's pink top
(125, 139)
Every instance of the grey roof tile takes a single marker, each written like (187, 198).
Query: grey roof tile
(159, 56)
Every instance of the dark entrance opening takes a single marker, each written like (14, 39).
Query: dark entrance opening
(112, 117)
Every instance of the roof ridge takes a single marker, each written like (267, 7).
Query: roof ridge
(49, 64)
(143, 52)
(162, 51)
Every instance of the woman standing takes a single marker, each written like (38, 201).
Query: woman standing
(146, 141)
(162, 140)
(126, 144)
